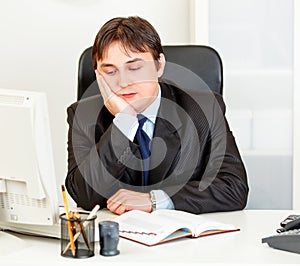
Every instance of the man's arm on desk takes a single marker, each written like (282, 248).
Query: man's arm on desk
(94, 169)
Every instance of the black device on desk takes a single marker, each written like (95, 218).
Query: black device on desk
(288, 237)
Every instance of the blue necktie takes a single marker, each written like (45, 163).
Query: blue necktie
(144, 142)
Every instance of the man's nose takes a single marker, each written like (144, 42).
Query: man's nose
(124, 79)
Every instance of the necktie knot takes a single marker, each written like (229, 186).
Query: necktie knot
(141, 119)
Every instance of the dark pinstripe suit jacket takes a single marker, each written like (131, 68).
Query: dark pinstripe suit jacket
(194, 157)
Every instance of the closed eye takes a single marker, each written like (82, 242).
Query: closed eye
(110, 71)
(135, 66)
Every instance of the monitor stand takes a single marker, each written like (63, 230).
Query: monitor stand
(10, 243)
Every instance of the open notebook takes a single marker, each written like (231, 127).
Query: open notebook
(166, 225)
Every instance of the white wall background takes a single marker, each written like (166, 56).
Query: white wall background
(41, 42)
(296, 114)
(255, 40)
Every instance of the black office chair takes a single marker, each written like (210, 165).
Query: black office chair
(188, 66)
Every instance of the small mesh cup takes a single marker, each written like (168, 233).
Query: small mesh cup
(84, 243)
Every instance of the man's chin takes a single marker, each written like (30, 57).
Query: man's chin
(141, 105)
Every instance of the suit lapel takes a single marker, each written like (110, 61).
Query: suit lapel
(165, 145)
(166, 142)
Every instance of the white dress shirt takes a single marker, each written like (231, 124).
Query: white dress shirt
(128, 125)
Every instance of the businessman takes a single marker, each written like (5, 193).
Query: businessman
(146, 144)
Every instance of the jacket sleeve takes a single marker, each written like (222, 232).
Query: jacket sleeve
(219, 182)
(95, 165)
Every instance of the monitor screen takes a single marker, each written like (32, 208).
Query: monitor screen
(28, 190)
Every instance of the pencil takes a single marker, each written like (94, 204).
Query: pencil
(81, 229)
(68, 218)
(85, 224)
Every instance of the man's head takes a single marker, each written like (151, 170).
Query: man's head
(133, 33)
(127, 53)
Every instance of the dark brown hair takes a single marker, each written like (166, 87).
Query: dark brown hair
(134, 33)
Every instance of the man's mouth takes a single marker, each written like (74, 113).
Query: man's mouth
(128, 95)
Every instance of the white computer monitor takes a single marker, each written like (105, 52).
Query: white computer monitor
(28, 189)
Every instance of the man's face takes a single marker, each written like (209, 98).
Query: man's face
(133, 76)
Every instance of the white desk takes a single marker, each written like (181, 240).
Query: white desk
(243, 247)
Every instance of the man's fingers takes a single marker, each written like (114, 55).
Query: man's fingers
(118, 197)
(116, 207)
(104, 88)
(116, 203)
(120, 210)
(124, 200)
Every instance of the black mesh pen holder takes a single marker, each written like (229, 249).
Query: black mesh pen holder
(77, 235)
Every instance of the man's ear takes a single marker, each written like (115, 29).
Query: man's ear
(161, 64)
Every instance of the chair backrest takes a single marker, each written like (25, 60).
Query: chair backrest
(188, 66)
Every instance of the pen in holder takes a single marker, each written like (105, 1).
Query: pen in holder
(82, 228)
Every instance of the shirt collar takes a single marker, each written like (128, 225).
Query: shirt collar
(151, 111)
